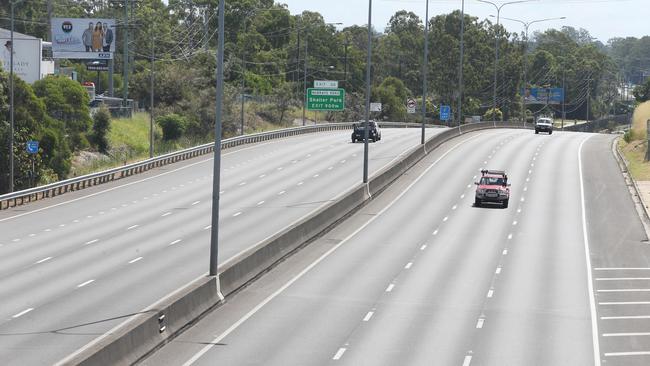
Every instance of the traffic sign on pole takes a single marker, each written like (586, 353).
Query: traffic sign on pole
(326, 84)
(411, 105)
(375, 107)
(445, 112)
(32, 147)
(325, 99)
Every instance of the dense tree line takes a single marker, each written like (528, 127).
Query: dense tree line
(268, 51)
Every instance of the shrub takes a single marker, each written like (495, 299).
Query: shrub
(101, 126)
(173, 126)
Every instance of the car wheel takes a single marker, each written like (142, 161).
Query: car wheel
(477, 202)
(536, 132)
(550, 132)
(505, 204)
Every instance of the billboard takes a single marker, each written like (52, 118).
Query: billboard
(27, 56)
(543, 95)
(83, 38)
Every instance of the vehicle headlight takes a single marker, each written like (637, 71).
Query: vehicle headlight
(480, 191)
(503, 193)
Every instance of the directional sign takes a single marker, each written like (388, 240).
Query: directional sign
(445, 112)
(326, 84)
(32, 147)
(375, 107)
(97, 65)
(411, 105)
(325, 99)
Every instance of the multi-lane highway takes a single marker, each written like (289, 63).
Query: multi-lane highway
(74, 266)
(420, 276)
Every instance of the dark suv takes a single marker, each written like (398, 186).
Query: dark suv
(374, 133)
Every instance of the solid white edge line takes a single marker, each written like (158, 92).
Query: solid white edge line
(622, 269)
(626, 334)
(592, 300)
(624, 317)
(614, 354)
(626, 290)
(252, 312)
(625, 303)
(623, 279)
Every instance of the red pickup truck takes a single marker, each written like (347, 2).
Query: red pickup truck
(493, 187)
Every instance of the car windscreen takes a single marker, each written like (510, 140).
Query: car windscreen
(492, 181)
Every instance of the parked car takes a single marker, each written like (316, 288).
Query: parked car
(493, 187)
(374, 132)
(544, 125)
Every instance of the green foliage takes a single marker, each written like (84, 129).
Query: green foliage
(173, 126)
(66, 101)
(642, 92)
(493, 115)
(101, 126)
(392, 94)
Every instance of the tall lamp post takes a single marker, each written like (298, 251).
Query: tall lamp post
(460, 65)
(525, 82)
(367, 112)
(424, 68)
(11, 102)
(496, 49)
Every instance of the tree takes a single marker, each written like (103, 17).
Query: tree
(173, 126)
(101, 126)
(392, 94)
(642, 92)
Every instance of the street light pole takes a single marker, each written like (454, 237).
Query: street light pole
(11, 102)
(460, 66)
(496, 50)
(214, 231)
(367, 116)
(304, 87)
(424, 68)
(525, 62)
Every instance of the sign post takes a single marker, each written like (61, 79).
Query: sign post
(445, 113)
(32, 148)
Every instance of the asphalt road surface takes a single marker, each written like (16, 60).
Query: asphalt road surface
(74, 266)
(421, 277)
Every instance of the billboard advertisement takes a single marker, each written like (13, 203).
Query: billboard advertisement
(27, 56)
(543, 95)
(83, 38)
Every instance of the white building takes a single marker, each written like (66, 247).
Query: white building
(32, 56)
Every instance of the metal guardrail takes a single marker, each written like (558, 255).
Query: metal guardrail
(78, 183)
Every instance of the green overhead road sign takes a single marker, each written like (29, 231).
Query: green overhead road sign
(325, 99)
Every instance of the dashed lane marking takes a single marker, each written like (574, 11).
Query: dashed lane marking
(132, 227)
(166, 214)
(85, 283)
(175, 242)
(339, 354)
(408, 265)
(91, 242)
(44, 260)
(390, 287)
(22, 313)
(479, 323)
(368, 316)
(135, 260)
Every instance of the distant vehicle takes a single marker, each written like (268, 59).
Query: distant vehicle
(493, 187)
(374, 132)
(544, 125)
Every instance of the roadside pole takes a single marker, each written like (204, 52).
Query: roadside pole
(647, 152)
(366, 123)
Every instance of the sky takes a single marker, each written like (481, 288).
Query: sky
(604, 19)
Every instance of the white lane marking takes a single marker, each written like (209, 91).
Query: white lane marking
(262, 176)
(330, 168)
(490, 293)
(166, 214)
(236, 214)
(408, 265)
(175, 242)
(133, 202)
(242, 184)
(509, 236)
(44, 260)
(530, 172)
(91, 242)
(32, 235)
(260, 203)
(280, 168)
(445, 219)
(505, 252)
(300, 183)
(222, 192)
(590, 284)
(435, 232)
(474, 177)
(61, 225)
(195, 203)
(89, 217)
(616, 354)
(164, 191)
(455, 206)
(625, 317)
(625, 290)
(339, 354)
(462, 196)
(207, 227)
(47, 230)
(467, 361)
(22, 313)
(342, 161)
(479, 323)
(16, 240)
(522, 199)
(498, 270)
(623, 269)
(85, 283)
(368, 316)
(101, 212)
(259, 306)
(623, 279)
(132, 227)
(527, 179)
(423, 247)
(469, 186)
(518, 210)
(525, 189)
(76, 220)
(390, 287)
(626, 334)
(514, 223)
(134, 260)
(281, 193)
(625, 303)
(315, 175)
